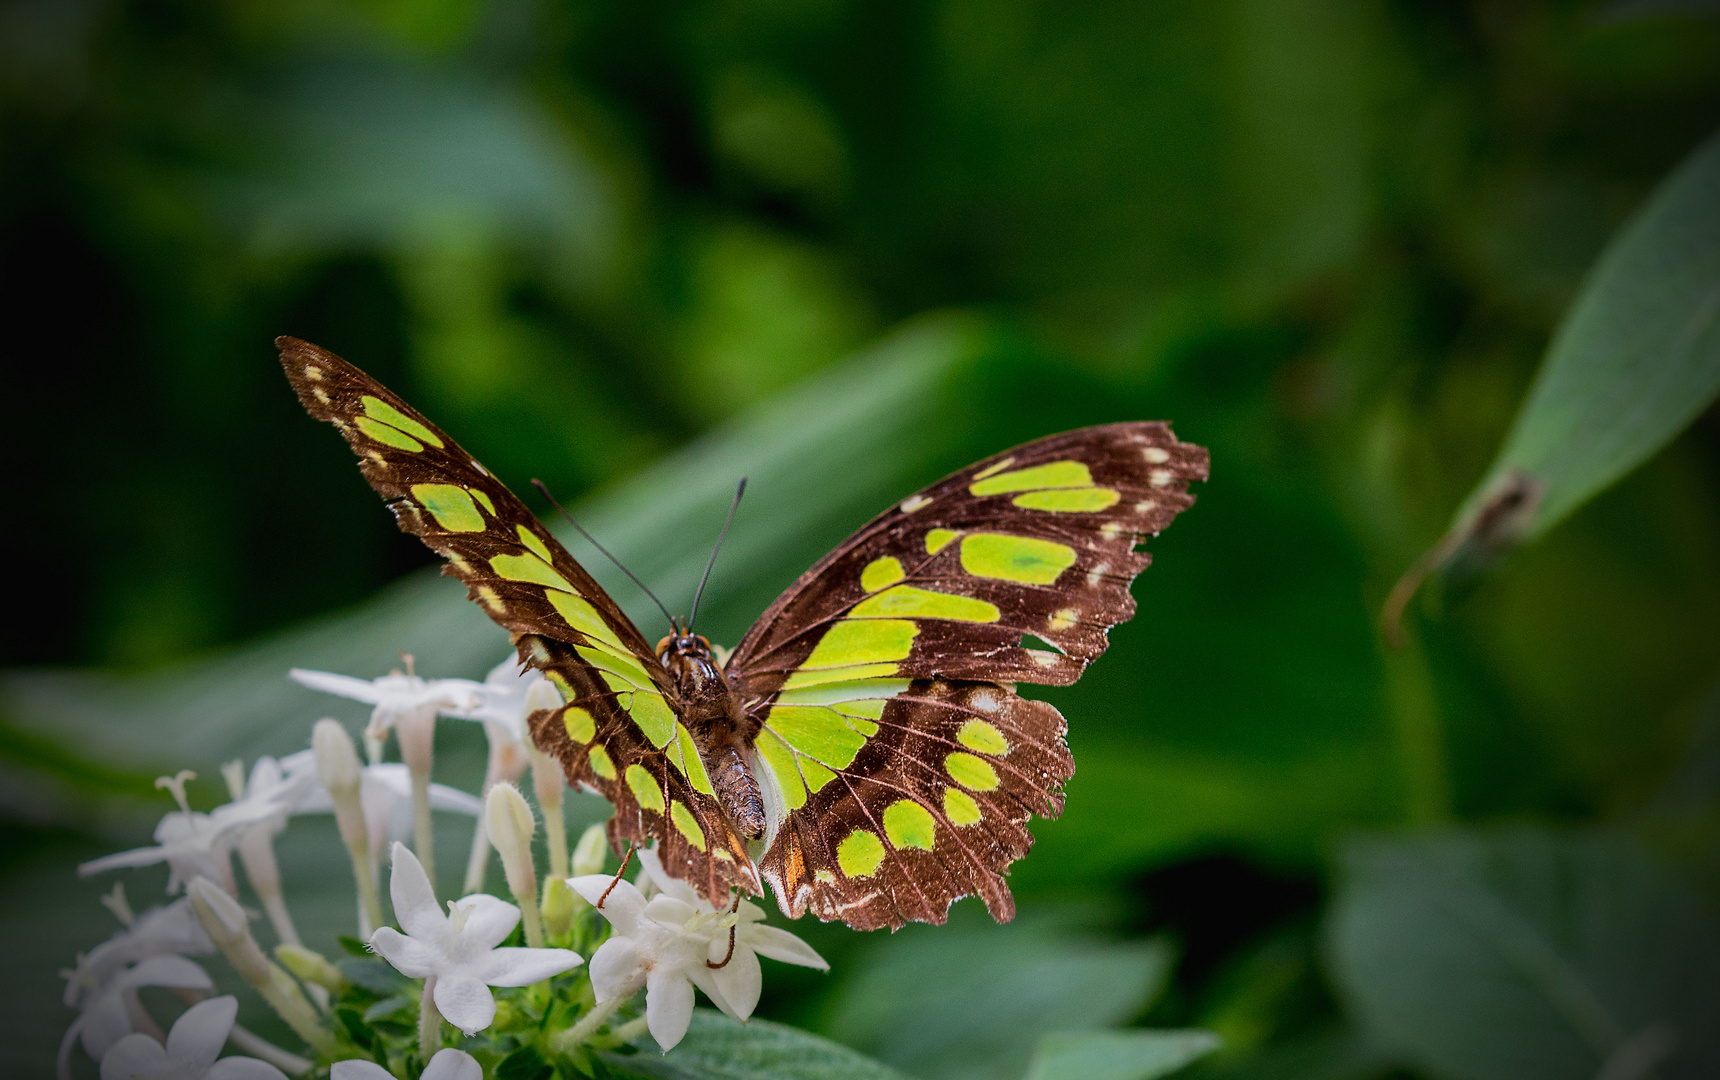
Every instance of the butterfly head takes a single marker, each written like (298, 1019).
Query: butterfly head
(678, 644)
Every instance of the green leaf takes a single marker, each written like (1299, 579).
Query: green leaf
(717, 1048)
(526, 1063)
(1117, 1055)
(973, 1000)
(1636, 359)
(1528, 955)
(373, 975)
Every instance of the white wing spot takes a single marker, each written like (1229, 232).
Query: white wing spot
(1063, 619)
(1160, 477)
(1155, 455)
(1110, 530)
(320, 396)
(1042, 658)
(1146, 506)
(1097, 574)
(984, 701)
(915, 502)
(313, 373)
(478, 467)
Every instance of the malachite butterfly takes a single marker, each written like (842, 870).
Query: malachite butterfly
(863, 748)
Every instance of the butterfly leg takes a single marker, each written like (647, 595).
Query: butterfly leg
(730, 955)
(625, 859)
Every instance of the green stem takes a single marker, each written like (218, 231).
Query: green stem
(631, 1030)
(1420, 734)
(588, 1024)
(423, 838)
(429, 1022)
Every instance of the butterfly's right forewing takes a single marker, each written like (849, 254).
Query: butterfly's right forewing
(635, 751)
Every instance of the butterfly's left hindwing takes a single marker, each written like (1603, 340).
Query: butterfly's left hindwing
(901, 764)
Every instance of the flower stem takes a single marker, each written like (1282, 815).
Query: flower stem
(429, 1022)
(369, 902)
(479, 860)
(588, 1024)
(533, 925)
(631, 1030)
(423, 840)
(258, 1047)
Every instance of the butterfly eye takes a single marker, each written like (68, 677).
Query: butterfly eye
(663, 645)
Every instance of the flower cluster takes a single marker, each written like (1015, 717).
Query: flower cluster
(508, 976)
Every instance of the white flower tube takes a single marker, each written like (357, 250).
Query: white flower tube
(511, 829)
(342, 777)
(225, 922)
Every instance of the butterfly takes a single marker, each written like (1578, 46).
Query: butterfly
(863, 748)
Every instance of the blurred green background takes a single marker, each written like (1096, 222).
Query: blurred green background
(639, 250)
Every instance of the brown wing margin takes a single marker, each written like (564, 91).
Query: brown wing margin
(442, 495)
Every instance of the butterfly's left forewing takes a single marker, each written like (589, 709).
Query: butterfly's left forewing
(620, 733)
(900, 765)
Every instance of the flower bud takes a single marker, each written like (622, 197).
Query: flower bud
(224, 921)
(342, 776)
(311, 966)
(559, 904)
(336, 757)
(511, 827)
(593, 849)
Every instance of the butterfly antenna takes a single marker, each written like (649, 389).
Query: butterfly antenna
(740, 490)
(539, 484)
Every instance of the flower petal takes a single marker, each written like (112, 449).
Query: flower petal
(134, 1056)
(668, 1006)
(740, 979)
(449, 1064)
(201, 1031)
(625, 905)
(522, 967)
(175, 972)
(781, 945)
(342, 685)
(671, 910)
(415, 906)
(360, 1069)
(667, 885)
(143, 856)
(411, 957)
(489, 920)
(617, 969)
(244, 1068)
(465, 1002)
(706, 979)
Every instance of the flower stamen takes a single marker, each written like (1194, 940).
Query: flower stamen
(176, 784)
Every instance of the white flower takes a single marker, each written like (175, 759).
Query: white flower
(456, 952)
(162, 931)
(449, 1064)
(112, 1012)
(191, 1050)
(385, 791)
(402, 702)
(189, 842)
(673, 942)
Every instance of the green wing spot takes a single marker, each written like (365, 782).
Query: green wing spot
(561, 685)
(880, 573)
(834, 692)
(687, 824)
(1023, 559)
(975, 774)
(938, 539)
(908, 602)
(601, 764)
(695, 765)
(581, 726)
(960, 808)
(535, 542)
(654, 717)
(578, 613)
(853, 642)
(981, 736)
(388, 414)
(815, 774)
(645, 788)
(817, 732)
(628, 674)
(451, 506)
(529, 568)
(1069, 500)
(478, 494)
(388, 436)
(908, 824)
(1053, 474)
(779, 759)
(860, 854)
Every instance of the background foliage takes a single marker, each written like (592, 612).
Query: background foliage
(639, 250)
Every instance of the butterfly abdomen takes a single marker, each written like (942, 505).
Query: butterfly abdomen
(737, 789)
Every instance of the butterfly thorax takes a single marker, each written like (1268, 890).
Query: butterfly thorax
(713, 714)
